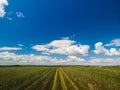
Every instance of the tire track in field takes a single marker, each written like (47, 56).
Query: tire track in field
(62, 81)
(47, 83)
(55, 80)
(73, 84)
(27, 82)
(33, 85)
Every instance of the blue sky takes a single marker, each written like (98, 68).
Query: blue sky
(85, 32)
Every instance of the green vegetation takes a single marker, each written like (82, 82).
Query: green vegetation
(59, 78)
(95, 78)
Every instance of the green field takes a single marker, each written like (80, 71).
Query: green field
(59, 78)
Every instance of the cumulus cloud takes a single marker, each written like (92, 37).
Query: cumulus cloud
(20, 15)
(10, 48)
(41, 47)
(103, 61)
(63, 47)
(3, 3)
(100, 49)
(75, 59)
(72, 60)
(7, 58)
(12, 58)
(61, 43)
(114, 42)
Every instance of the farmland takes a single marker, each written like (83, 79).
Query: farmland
(59, 78)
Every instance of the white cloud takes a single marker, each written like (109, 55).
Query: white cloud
(45, 53)
(7, 58)
(77, 50)
(41, 47)
(20, 15)
(3, 3)
(114, 42)
(64, 47)
(75, 59)
(10, 48)
(12, 58)
(20, 45)
(100, 49)
(71, 60)
(103, 61)
(114, 51)
(61, 43)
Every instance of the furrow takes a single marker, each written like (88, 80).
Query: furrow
(62, 81)
(73, 84)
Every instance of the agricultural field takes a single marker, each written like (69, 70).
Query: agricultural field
(59, 78)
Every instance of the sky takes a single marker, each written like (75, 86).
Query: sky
(59, 32)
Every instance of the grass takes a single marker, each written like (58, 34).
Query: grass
(59, 78)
